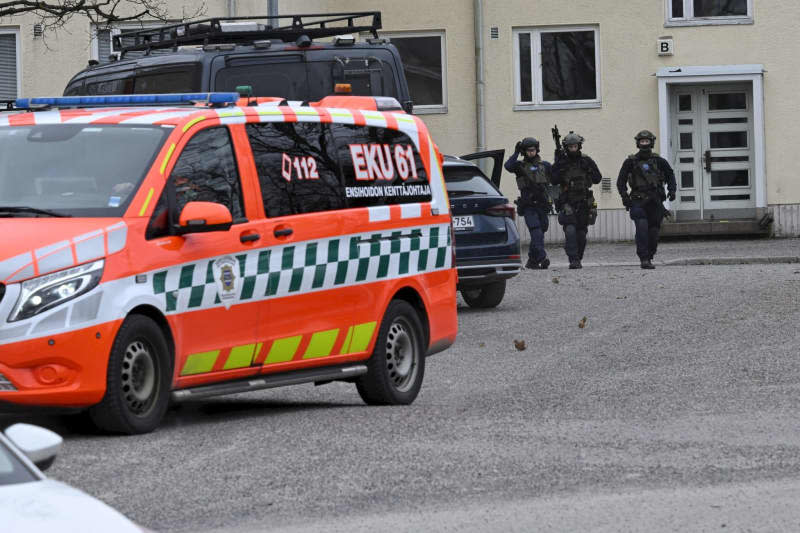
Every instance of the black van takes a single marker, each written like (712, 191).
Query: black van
(221, 54)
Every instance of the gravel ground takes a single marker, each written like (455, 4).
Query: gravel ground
(683, 381)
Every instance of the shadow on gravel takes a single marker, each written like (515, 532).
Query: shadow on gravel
(76, 423)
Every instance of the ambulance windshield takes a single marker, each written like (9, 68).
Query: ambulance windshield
(81, 170)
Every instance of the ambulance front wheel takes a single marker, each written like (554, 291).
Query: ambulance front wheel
(138, 379)
(397, 365)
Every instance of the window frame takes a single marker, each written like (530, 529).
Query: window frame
(537, 102)
(689, 19)
(14, 30)
(442, 34)
(117, 28)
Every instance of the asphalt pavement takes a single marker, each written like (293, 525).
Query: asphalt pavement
(632, 400)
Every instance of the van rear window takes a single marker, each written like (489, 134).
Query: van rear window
(380, 166)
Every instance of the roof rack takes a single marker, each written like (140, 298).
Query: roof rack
(245, 30)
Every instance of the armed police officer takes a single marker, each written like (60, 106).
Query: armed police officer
(577, 210)
(646, 173)
(533, 176)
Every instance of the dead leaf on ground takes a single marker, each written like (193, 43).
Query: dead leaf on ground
(519, 345)
(481, 345)
(582, 323)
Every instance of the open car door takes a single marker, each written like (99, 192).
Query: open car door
(490, 162)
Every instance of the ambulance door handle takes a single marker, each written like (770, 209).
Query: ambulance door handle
(249, 237)
(283, 232)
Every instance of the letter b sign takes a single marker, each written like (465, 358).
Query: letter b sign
(665, 47)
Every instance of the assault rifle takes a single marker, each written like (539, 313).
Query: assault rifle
(557, 139)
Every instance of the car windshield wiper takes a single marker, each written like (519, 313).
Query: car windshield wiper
(10, 211)
(465, 193)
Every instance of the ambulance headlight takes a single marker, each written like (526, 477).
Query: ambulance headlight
(51, 290)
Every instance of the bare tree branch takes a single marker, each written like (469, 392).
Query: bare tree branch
(56, 13)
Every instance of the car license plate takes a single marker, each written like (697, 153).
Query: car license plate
(463, 223)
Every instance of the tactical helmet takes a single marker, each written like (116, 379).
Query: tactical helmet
(573, 138)
(529, 142)
(645, 134)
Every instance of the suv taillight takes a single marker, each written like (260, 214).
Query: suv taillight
(504, 210)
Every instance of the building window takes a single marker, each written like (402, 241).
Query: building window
(103, 43)
(557, 68)
(707, 12)
(9, 64)
(425, 66)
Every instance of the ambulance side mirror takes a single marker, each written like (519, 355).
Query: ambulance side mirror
(201, 217)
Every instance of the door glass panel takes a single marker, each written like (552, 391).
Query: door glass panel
(687, 198)
(687, 179)
(732, 120)
(721, 198)
(737, 159)
(728, 139)
(687, 159)
(724, 101)
(720, 8)
(685, 102)
(730, 178)
(686, 122)
(686, 141)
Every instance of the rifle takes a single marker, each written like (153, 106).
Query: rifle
(557, 139)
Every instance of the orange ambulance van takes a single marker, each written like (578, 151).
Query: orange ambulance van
(157, 250)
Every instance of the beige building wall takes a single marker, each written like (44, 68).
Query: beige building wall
(628, 60)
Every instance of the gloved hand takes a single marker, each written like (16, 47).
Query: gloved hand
(518, 147)
(671, 196)
(626, 201)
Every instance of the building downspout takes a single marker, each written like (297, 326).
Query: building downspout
(480, 108)
(231, 8)
(272, 8)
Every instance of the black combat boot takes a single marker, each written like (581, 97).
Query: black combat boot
(531, 264)
(544, 264)
(647, 264)
(574, 263)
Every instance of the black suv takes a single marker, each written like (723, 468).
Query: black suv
(487, 242)
(221, 54)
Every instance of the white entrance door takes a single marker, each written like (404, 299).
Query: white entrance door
(713, 147)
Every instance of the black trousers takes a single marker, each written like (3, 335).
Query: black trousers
(575, 221)
(647, 216)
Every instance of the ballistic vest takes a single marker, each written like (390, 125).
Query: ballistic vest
(532, 173)
(646, 174)
(575, 181)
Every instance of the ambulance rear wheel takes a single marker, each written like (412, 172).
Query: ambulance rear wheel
(397, 365)
(138, 379)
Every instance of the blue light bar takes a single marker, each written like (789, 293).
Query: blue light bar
(127, 99)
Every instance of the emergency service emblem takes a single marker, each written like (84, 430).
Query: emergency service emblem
(227, 281)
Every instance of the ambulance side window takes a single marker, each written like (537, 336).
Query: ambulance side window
(205, 172)
(380, 166)
(297, 167)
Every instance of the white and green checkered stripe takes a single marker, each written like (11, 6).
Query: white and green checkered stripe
(309, 266)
